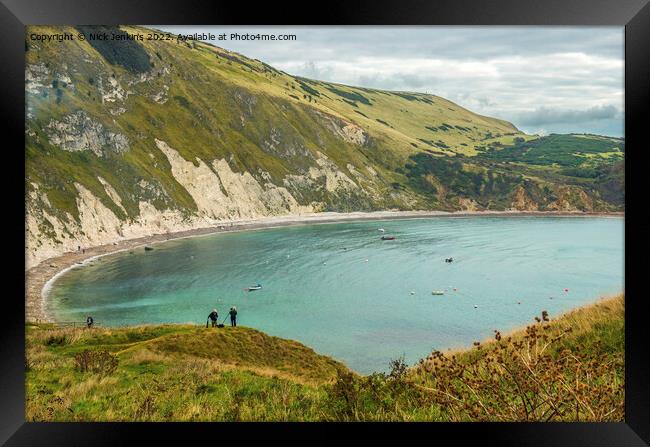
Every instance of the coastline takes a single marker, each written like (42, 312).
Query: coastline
(39, 279)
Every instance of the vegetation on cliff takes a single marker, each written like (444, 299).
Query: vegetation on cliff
(100, 112)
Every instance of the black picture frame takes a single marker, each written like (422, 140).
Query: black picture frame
(633, 14)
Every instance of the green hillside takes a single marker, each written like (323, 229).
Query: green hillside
(126, 136)
(569, 369)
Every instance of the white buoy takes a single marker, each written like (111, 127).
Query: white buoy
(412, 292)
(366, 260)
(475, 306)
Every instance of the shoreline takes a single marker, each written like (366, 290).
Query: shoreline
(39, 279)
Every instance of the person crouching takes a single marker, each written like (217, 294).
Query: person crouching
(212, 317)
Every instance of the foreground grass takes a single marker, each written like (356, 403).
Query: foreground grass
(172, 373)
(568, 369)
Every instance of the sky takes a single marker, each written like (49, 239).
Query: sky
(542, 79)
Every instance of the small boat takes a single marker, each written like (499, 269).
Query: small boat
(251, 288)
(438, 292)
(147, 248)
(388, 238)
(381, 230)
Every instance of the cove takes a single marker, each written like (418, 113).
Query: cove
(341, 290)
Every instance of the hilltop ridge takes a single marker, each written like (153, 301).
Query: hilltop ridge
(566, 369)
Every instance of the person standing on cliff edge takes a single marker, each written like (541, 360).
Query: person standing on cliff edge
(233, 316)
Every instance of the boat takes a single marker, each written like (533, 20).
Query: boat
(381, 230)
(251, 288)
(438, 292)
(388, 238)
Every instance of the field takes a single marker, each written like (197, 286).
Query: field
(567, 369)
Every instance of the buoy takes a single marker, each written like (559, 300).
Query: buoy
(324, 263)
(475, 306)
(566, 290)
(518, 302)
(455, 289)
(412, 292)
(366, 260)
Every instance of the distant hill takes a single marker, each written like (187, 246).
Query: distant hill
(127, 138)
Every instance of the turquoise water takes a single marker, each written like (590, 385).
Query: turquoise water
(342, 291)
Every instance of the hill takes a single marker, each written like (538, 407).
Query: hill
(126, 138)
(172, 372)
(567, 369)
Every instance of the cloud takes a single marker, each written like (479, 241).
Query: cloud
(544, 116)
(559, 78)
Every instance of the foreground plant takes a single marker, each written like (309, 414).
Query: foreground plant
(548, 373)
(532, 378)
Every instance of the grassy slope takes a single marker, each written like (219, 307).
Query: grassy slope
(186, 373)
(173, 373)
(222, 105)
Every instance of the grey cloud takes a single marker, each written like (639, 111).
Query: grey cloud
(544, 116)
(555, 77)
(346, 43)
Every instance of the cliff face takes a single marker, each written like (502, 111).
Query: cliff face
(129, 139)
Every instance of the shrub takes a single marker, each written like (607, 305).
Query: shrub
(56, 340)
(533, 378)
(146, 409)
(97, 362)
(183, 101)
(126, 53)
(378, 396)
